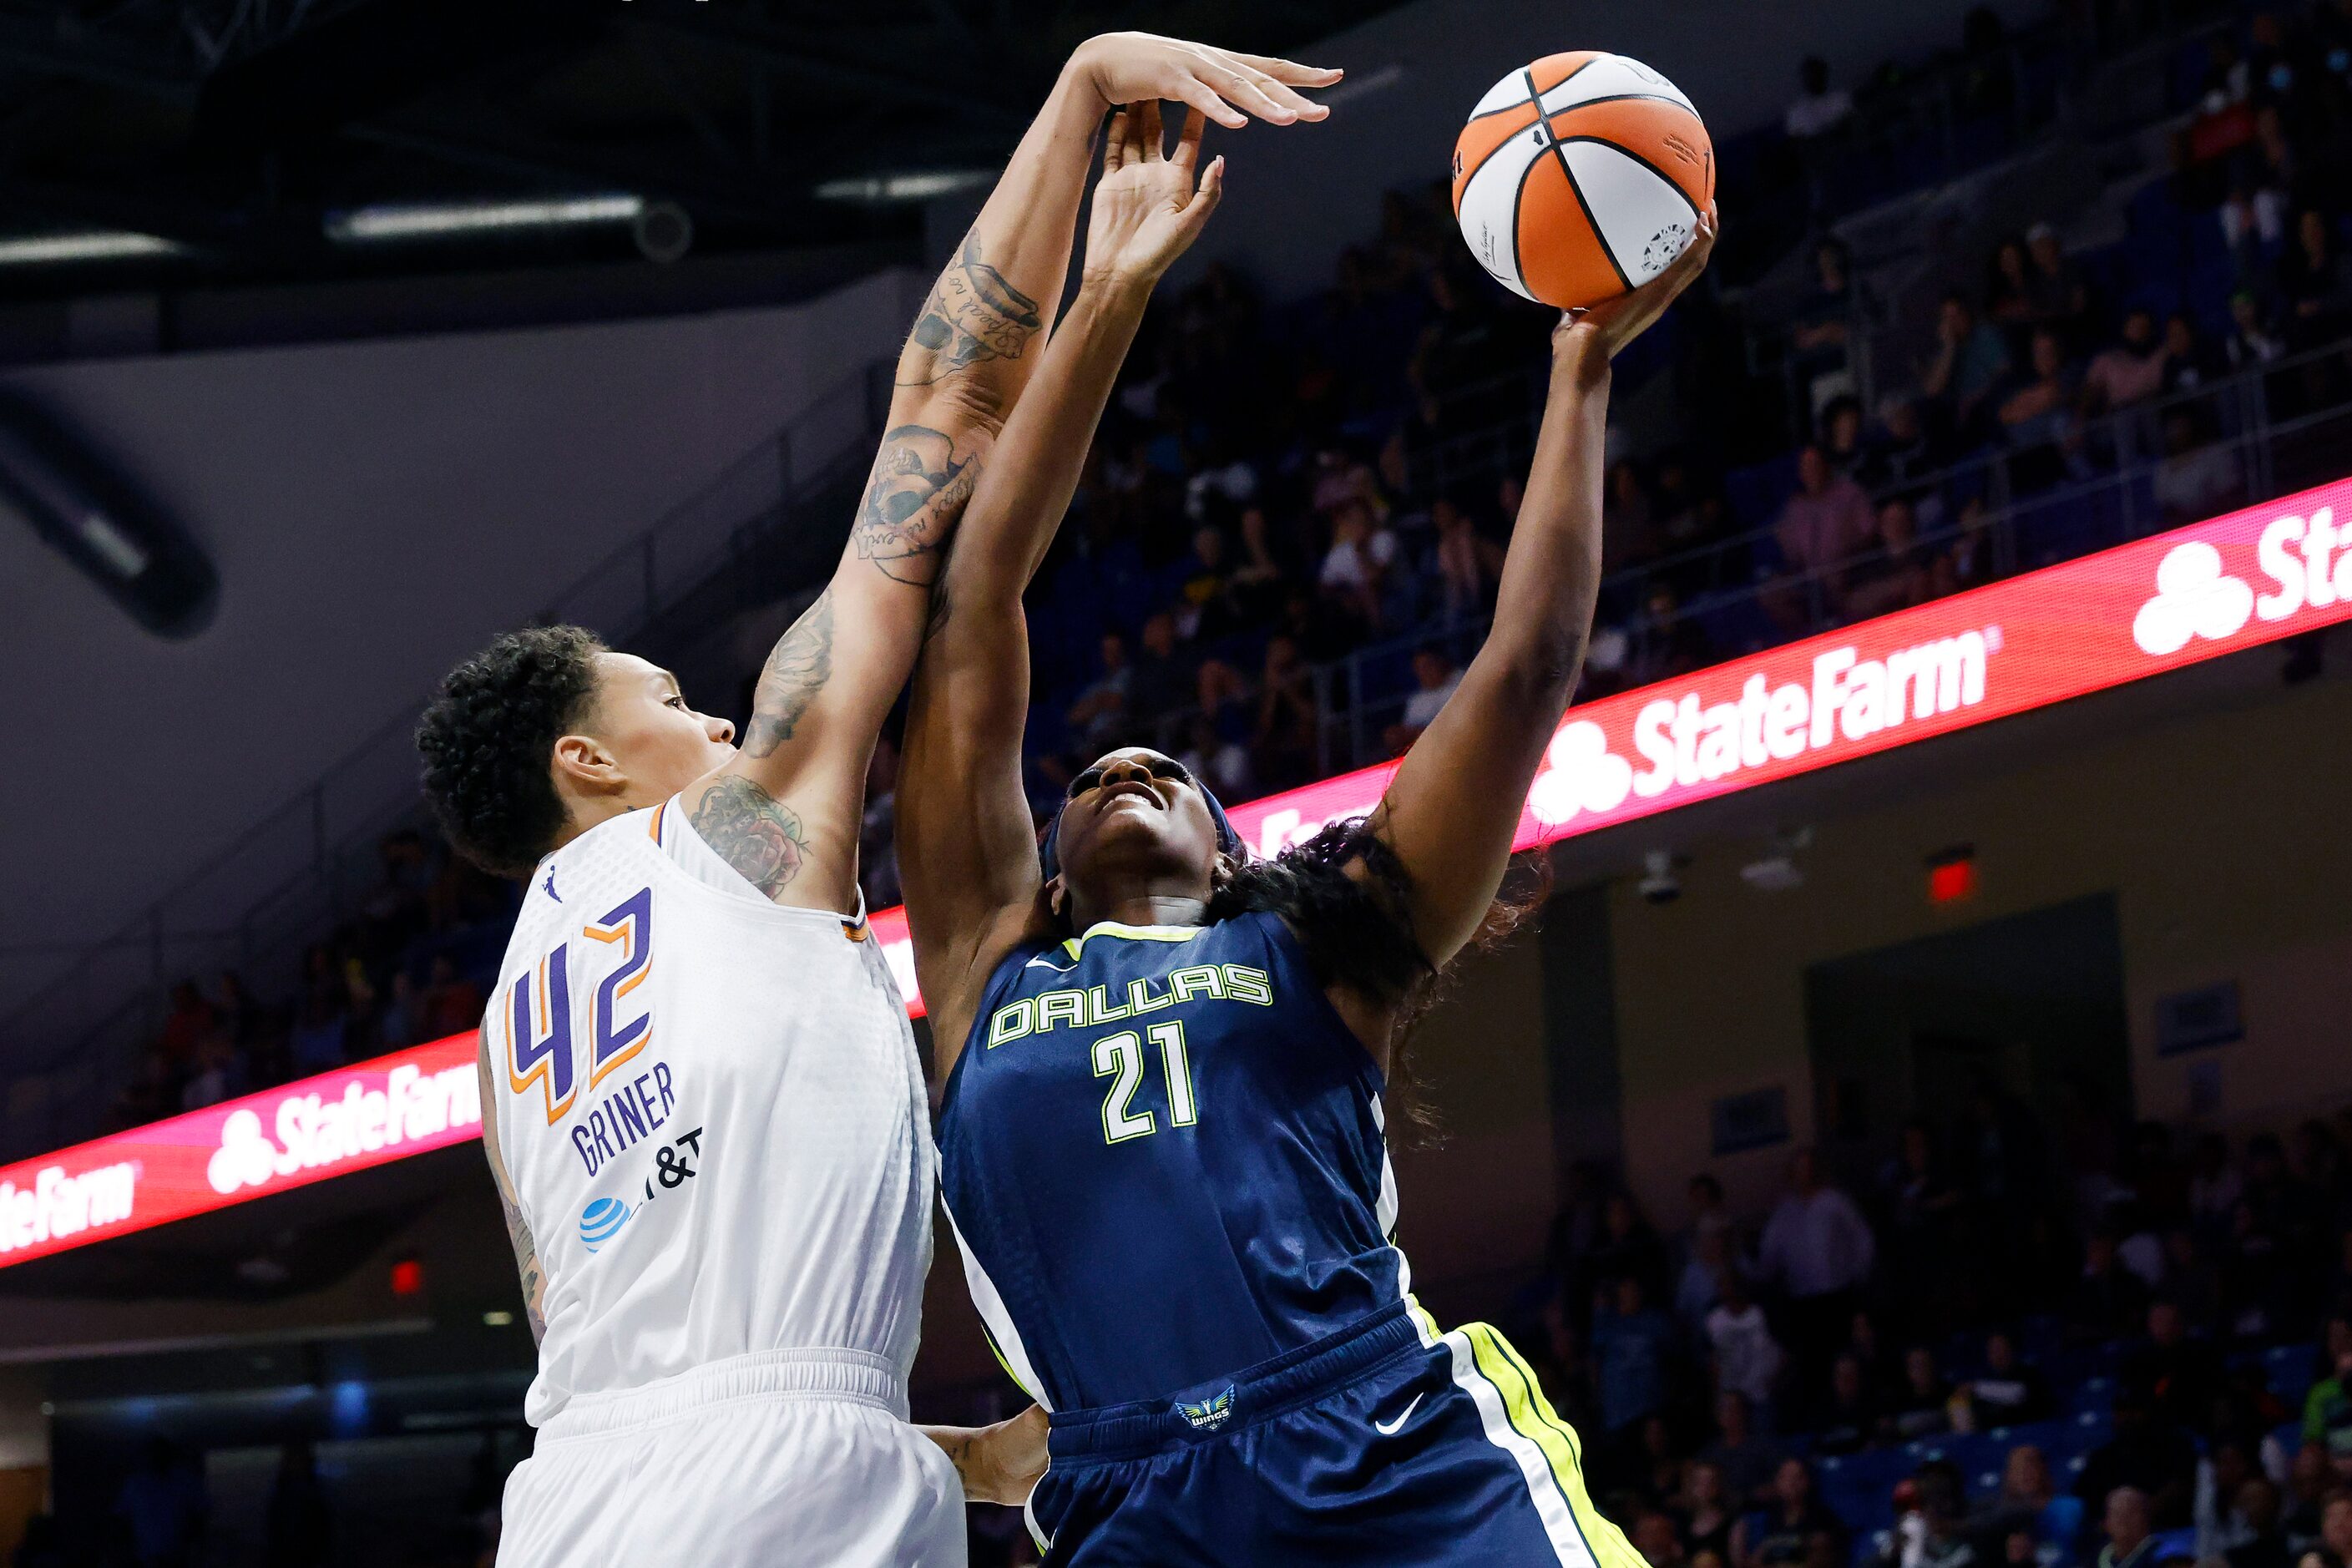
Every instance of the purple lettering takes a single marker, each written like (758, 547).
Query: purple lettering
(596, 1131)
(587, 1154)
(654, 1117)
(661, 1081)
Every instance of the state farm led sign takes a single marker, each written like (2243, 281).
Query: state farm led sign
(2085, 625)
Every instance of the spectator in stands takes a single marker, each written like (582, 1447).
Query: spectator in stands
(2146, 1453)
(1896, 575)
(1223, 763)
(1205, 607)
(1749, 1461)
(2252, 343)
(1283, 752)
(1435, 677)
(453, 1002)
(1674, 642)
(2009, 289)
(191, 1016)
(1163, 679)
(2179, 1375)
(1656, 1537)
(1747, 1359)
(2128, 371)
(1102, 707)
(2036, 409)
(1706, 1512)
(1256, 579)
(1819, 107)
(1778, 1534)
(1817, 338)
(1841, 436)
(401, 1022)
(2316, 282)
(2215, 1184)
(1818, 1248)
(1354, 575)
(2310, 1480)
(1632, 1351)
(2106, 1299)
(2008, 1393)
(1824, 523)
(1922, 1405)
(1937, 1535)
(1467, 566)
(1970, 361)
(2125, 1521)
(218, 1073)
(317, 1042)
(1851, 1419)
(2030, 1504)
(2335, 1548)
(2328, 1408)
(2264, 1545)
(2053, 285)
(2222, 1474)
(2188, 361)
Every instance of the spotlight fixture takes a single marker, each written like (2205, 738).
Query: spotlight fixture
(141, 560)
(1776, 871)
(906, 185)
(96, 244)
(395, 222)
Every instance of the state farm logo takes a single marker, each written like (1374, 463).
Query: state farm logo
(313, 1132)
(2303, 559)
(2194, 598)
(1688, 741)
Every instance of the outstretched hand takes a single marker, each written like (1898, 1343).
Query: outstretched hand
(1596, 335)
(1147, 207)
(1128, 68)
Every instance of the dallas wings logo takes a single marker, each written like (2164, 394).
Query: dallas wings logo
(1209, 1415)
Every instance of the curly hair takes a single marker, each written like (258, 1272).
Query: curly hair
(486, 739)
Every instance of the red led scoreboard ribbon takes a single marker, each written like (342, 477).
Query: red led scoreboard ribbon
(2085, 625)
(426, 1097)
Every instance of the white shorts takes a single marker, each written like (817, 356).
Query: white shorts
(783, 1456)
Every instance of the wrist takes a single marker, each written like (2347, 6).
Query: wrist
(1580, 362)
(1117, 284)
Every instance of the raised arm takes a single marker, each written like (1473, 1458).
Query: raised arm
(1450, 813)
(526, 1251)
(785, 810)
(967, 855)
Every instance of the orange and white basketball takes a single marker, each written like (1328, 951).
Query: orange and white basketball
(1581, 177)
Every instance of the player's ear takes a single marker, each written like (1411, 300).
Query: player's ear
(581, 763)
(1055, 894)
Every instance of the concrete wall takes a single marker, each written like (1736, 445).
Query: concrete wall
(376, 509)
(2223, 836)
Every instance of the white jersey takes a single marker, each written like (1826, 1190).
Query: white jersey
(711, 1111)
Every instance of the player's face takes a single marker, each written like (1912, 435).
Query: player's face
(1135, 812)
(662, 744)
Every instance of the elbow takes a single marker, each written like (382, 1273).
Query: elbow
(1538, 672)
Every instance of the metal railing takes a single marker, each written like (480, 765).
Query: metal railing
(306, 865)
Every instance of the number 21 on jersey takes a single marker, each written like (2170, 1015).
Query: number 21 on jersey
(538, 1009)
(1119, 1057)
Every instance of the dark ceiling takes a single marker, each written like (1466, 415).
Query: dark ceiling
(235, 128)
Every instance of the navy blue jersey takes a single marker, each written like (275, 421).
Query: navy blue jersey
(1162, 1155)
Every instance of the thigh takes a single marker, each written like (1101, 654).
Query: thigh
(747, 1485)
(1450, 1456)
(1195, 1507)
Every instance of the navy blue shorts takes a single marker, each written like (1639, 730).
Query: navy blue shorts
(1386, 1443)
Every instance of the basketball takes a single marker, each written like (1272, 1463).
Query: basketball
(1581, 177)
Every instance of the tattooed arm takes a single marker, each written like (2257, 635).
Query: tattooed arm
(526, 1251)
(786, 810)
(966, 850)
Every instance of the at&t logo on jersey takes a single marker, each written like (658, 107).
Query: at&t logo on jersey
(601, 1220)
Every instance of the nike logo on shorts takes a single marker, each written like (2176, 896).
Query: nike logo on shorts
(1391, 1428)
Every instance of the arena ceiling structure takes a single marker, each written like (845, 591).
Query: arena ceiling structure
(160, 144)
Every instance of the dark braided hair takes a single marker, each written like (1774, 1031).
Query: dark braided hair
(487, 736)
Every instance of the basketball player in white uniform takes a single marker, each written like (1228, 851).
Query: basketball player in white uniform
(703, 1107)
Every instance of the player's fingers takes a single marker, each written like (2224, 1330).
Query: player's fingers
(1150, 142)
(1297, 103)
(1290, 71)
(1239, 86)
(1204, 200)
(1114, 140)
(1187, 143)
(1192, 89)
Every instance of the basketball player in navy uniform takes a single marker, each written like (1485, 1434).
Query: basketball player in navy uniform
(701, 1100)
(1161, 1132)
